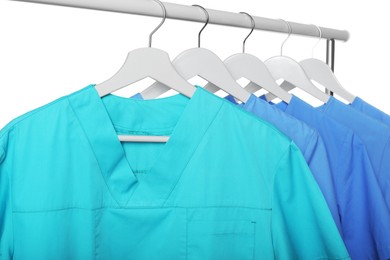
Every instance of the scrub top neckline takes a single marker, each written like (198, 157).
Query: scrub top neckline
(295, 101)
(326, 105)
(356, 101)
(124, 187)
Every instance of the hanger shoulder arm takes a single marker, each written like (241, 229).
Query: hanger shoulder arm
(320, 72)
(282, 67)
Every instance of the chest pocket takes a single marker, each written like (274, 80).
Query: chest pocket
(220, 240)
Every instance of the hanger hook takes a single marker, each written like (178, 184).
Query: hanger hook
(207, 22)
(289, 34)
(161, 23)
(319, 39)
(253, 27)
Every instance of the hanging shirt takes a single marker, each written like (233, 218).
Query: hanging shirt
(308, 141)
(375, 136)
(71, 190)
(371, 111)
(366, 227)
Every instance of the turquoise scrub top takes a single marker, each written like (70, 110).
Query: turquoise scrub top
(69, 189)
(308, 141)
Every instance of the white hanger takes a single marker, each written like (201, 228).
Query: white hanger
(287, 86)
(243, 65)
(205, 64)
(142, 63)
(283, 67)
(320, 72)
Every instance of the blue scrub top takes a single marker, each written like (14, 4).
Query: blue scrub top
(366, 227)
(375, 136)
(370, 110)
(69, 189)
(308, 141)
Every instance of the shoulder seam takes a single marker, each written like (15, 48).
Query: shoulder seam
(18, 119)
(284, 153)
(258, 119)
(273, 183)
(383, 154)
(2, 154)
(248, 114)
(281, 158)
(313, 139)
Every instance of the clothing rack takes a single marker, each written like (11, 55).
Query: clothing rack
(191, 13)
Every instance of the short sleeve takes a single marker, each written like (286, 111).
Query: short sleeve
(302, 225)
(6, 233)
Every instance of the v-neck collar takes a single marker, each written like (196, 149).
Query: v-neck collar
(357, 101)
(252, 100)
(332, 101)
(289, 107)
(125, 188)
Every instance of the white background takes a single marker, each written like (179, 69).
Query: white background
(50, 51)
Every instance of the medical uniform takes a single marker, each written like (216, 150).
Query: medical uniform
(226, 185)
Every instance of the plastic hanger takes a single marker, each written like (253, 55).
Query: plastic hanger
(283, 67)
(205, 64)
(285, 85)
(320, 72)
(243, 65)
(142, 63)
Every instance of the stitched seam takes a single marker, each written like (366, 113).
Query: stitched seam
(12, 219)
(383, 155)
(93, 152)
(254, 239)
(231, 233)
(332, 258)
(273, 237)
(8, 176)
(259, 119)
(246, 113)
(146, 132)
(2, 154)
(187, 233)
(135, 208)
(312, 140)
(128, 129)
(95, 235)
(339, 165)
(12, 214)
(278, 165)
(193, 152)
(39, 109)
(140, 171)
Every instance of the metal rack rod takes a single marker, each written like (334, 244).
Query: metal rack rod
(190, 13)
(330, 57)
